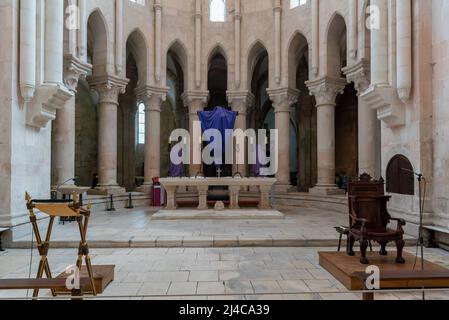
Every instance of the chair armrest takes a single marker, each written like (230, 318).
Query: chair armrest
(401, 222)
(363, 221)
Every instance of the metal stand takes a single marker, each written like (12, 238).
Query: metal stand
(111, 204)
(130, 202)
(421, 179)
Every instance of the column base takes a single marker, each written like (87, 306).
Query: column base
(283, 187)
(107, 191)
(326, 190)
(145, 188)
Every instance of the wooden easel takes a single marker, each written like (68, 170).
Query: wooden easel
(54, 209)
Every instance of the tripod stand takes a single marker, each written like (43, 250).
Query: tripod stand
(422, 198)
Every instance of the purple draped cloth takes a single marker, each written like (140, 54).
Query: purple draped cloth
(176, 171)
(220, 119)
(255, 168)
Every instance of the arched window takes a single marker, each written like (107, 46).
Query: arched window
(141, 124)
(217, 10)
(400, 177)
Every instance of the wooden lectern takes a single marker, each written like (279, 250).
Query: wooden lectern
(61, 209)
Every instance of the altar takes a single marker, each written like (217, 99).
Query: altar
(235, 186)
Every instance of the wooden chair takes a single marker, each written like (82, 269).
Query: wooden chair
(369, 218)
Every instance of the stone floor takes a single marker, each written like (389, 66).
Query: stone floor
(209, 273)
(301, 227)
(200, 259)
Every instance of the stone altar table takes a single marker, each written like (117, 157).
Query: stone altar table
(235, 186)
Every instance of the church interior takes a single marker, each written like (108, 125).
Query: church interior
(349, 95)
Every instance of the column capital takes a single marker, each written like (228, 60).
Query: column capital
(195, 100)
(241, 101)
(157, 4)
(74, 69)
(152, 97)
(326, 89)
(277, 5)
(283, 98)
(108, 87)
(359, 74)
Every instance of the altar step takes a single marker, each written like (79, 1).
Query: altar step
(200, 242)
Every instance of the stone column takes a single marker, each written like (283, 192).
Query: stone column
(241, 102)
(277, 40)
(108, 88)
(352, 29)
(27, 75)
(198, 21)
(237, 41)
(325, 91)
(283, 99)
(195, 101)
(157, 39)
(54, 41)
(404, 48)
(153, 98)
(118, 36)
(82, 31)
(63, 129)
(379, 45)
(368, 127)
(315, 37)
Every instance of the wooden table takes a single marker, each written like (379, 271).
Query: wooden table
(235, 185)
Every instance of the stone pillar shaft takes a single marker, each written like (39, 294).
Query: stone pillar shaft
(195, 101)
(108, 88)
(27, 49)
(325, 91)
(54, 41)
(152, 97)
(63, 144)
(326, 145)
(118, 36)
(107, 143)
(63, 129)
(241, 102)
(283, 99)
(379, 45)
(157, 38)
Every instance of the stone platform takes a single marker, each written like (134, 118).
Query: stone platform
(247, 214)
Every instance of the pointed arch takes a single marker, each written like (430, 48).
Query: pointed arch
(336, 45)
(136, 46)
(98, 42)
(217, 49)
(217, 77)
(298, 49)
(178, 52)
(256, 51)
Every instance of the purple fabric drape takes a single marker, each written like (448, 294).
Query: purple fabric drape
(220, 119)
(176, 171)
